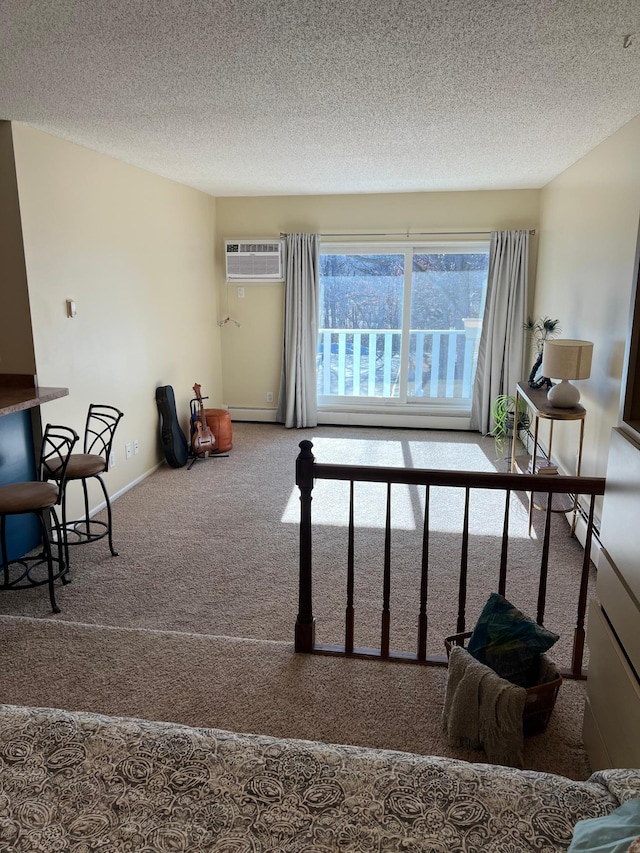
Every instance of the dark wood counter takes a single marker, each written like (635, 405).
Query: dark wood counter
(18, 393)
(18, 399)
(20, 439)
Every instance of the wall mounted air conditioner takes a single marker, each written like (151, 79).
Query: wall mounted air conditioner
(253, 260)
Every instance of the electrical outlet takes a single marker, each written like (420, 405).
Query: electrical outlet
(241, 293)
(127, 451)
(112, 459)
(136, 447)
(269, 396)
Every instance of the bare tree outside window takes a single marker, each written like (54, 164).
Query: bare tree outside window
(360, 344)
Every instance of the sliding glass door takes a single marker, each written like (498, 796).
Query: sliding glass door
(400, 325)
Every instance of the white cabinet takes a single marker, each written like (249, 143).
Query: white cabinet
(611, 730)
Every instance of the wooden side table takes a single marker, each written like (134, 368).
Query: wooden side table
(536, 400)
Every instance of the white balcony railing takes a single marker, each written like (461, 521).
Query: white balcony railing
(367, 363)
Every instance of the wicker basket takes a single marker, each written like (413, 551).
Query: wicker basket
(540, 700)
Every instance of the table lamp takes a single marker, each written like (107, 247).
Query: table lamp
(566, 359)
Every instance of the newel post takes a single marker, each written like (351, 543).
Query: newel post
(305, 636)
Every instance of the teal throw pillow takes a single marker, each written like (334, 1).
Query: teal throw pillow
(509, 642)
(614, 833)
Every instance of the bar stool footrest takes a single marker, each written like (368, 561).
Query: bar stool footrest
(29, 565)
(93, 530)
(82, 532)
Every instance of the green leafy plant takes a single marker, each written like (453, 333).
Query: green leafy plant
(503, 414)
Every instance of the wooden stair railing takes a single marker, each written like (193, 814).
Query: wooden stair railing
(308, 470)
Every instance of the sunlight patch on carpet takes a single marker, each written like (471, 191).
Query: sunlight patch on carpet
(330, 507)
(402, 452)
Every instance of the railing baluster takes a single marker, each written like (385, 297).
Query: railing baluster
(371, 365)
(424, 581)
(418, 382)
(307, 471)
(357, 352)
(435, 365)
(544, 563)
(370, 378)
(502, 583)
(305, 636)
(468, 364)
(386, 373)
(326, 362)
(451, 365)
(386, 594)
(578, 637)
(464, 564)
(349, 617)
(342, 360)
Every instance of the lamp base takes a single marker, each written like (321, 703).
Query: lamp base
(564, 395)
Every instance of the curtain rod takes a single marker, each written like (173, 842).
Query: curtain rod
(407, 234)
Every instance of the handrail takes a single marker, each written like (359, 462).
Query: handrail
(473, 479)
(308, 470)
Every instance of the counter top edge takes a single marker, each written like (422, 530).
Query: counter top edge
(17, 399)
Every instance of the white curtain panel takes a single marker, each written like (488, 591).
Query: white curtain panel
(501, 350)
(297, 402)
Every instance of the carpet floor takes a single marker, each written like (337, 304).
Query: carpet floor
(194, 620)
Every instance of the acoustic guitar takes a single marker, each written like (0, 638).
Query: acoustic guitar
(203, 440)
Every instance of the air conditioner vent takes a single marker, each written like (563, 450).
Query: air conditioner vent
(253, 260)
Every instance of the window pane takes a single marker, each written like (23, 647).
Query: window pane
(447, 302)
(365, 331)
(360, 324)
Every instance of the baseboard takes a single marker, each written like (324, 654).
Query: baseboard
(401, 420)
(114, 497)
(343, 418)
(240, 413)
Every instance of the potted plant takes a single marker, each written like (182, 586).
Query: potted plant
(540, 330)
(503, 414)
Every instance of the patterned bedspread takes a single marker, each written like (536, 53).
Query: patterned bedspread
(82, 782)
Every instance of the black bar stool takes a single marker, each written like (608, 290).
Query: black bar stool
(40, 497)
(99, 431)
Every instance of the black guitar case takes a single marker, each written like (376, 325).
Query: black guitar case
(175, 446)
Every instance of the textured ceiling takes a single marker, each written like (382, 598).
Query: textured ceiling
(279, 97)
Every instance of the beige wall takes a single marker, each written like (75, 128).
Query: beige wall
(16, 341)
(139, 255)
(136, 253)
(251, 355)
(588, 234)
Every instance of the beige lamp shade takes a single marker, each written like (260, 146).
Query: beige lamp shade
(566, 359)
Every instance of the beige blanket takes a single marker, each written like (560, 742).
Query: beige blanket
(482, 710)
